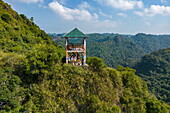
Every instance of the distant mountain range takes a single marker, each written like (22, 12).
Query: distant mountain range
(131, 50)
(117, 49)
(35, 79)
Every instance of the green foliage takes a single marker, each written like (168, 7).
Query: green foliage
(39, 61)
(6, 18)
(155, 69)
(117, 50)
(32, 19)
(95, 63)
(126, 50)
(33, 78)
(10, 89)
(155, 107)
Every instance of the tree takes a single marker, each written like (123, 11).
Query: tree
(32, 19)
(6, 17)
(95, 63)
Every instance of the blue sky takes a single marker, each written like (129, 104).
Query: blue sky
(98, 16)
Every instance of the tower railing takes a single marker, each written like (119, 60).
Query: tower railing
(74, 47)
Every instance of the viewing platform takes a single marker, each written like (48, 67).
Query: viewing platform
(75, 47)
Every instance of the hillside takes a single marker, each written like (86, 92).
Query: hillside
(34, 79)
(114, 50)
(155, 69)
(123, 50)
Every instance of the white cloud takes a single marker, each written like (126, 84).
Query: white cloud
(138, 13)
(42, 6)
(83, 17)
(29, 1)
(61, 1)
(147, 23)
(105, 15)
(84, 5)
(122, 14)
(106, 23)
(72, 14)
(95, 16)
(100, 26)
(122, 4)
(157, 9)
(154, 10)
(164, 1)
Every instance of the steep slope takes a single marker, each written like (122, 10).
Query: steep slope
(26, 54)
(20, 35)
(155, 69)
(17, 33)
(114, 50)
(34, 79)
(124, 50)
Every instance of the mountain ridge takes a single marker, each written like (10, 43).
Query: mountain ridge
(34, 78)
(155, 69)
(125, 49)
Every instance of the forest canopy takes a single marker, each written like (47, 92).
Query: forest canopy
(34, 78)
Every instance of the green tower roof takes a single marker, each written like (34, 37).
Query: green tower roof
(75, 33)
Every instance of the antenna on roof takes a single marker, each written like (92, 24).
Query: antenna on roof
(75, 25)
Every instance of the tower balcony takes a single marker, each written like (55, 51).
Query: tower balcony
(75, 48)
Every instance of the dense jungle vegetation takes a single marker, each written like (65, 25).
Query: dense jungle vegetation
(34, 79)
(129, 50)
(155, 69)
(121, 50)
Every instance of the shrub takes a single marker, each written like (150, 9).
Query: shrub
(95, 63)
(6, 18)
